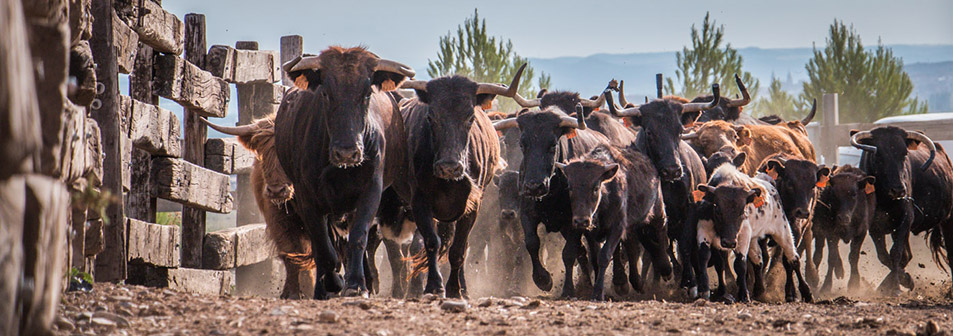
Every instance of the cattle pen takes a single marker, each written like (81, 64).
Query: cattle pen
(81, 185)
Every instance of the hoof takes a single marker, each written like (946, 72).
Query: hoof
(333, 283)
(620, 289)
(693, 292)
(543, 280)
(728, 299)
(906, 281)
(355, 292)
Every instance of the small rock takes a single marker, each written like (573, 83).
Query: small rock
(700, 302)
(120, 298)
(125, 312)
(744, 315)
(84, 316)
(101, 308)
(303, 327)
(428, 298)
(64, 324)
(533, 304)
(929, 329)
(485, 302)
(129, 305)
(122, 322)
(511, 303)
(591, 307)
(103, 322)
(454, 306)
(520, 299)
(277, 312)
(328, 316)
(895, 332)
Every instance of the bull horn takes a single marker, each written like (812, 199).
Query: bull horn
(290, 63)
(525, 103)
(232, 130)
(696, 107)
(810, 116)
(485, 88)
(857, 137)
(628, 112)
(580, 118)
(305, 63)
(689, 136)
(922, 138)
(592, 103)
(746, 98)
(414, 84)
(622, 101)
(395, 67)
(505, 123)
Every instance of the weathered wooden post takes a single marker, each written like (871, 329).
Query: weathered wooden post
(140, 203)
(291, 46)
(193, 219)
(828, 135)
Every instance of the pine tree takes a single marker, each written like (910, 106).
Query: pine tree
(707, 62)
(473, 53)
(870, 84)
(778, 102)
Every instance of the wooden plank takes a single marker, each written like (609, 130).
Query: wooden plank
(45, 216)
(151, 128)
(154, 244)
(190, 86)
(140, 204)
(227, 156)
(236, 247)
(20, 121)
(188, 280)
(82, 67)
(244, 66)
(127, 43)
(193, 219)
(161, 30)
(80, 20)
(50, 50)
(184, 182)
(111, 263)
(291, 46)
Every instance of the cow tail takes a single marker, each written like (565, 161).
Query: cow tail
(418, 262)
(303, 260)
(934, 238)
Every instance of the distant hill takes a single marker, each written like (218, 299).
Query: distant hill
(930, 68)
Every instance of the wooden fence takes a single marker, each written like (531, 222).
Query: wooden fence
(828, 134)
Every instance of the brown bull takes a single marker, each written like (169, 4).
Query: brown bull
(273, 190)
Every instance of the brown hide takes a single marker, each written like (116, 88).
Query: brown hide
(757, 141)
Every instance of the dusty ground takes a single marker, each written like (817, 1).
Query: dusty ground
(137, 310)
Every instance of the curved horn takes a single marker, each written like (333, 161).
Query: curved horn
(290, 63)
(395, 67)
(689, 136)
(922, 138)
(744, 93)
(857, 137)
(622, 101)
(696, 107)
(505, 123)
(485, 88)
(580, 119)
(308, 62)
(593, 103)
(525, 103)
(628, 112)
(232, 130)
(810, 116)
(414, 84)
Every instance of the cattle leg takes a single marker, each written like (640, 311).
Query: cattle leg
(656, 244)
(854, 257)
(946, 228)
(756, 260)
(456, 282)
(741, 268)
(701, 270)
(805, 245)
(632, 251)
(619, 261)
(325, 259)
(370, 265)
(541, 276)
(415, 286)
(368, 203)
(880, 244)
(398, 268)
(833, 259)
(291, 288)
(571, 252)
(604, 256)
(423, 214)
(720, 261)
(819, 251)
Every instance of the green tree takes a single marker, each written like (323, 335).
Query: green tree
(871, 84)
(706, 63)
(473, 53)
(778, 102)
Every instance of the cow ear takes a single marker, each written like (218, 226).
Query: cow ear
(854, 131)
(307, 79)
(739, 159)
(773, 168)
(699, 194)
(632, 121)
(823, 176)
(386, 80)
(867, 184)
(755, 197)
(912, 145)
(423, 96)
(610, 171)
(485, 101)
(744, 135)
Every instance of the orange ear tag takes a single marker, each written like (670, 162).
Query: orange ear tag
(771, 172)
(625, 121)
(596, 109)
(388, 85)
(698, 195)
(486, 106)
(499, 133)
(823, 181)
(571, 134)
(301, 82)
(913, 145)
(758, 201)
(869, 189)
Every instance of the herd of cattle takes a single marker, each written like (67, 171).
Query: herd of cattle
(348, 163)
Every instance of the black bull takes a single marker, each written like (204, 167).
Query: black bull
(914, 195)
(340, 141)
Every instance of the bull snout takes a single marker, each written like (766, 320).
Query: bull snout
(801, 213)
(536, 188)
(278, 191)
(729, 243)
(897, 192)
(843, 219)
(448, 170)
(508, 214)
(342, 156)
(671, 173)
(581, 223)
